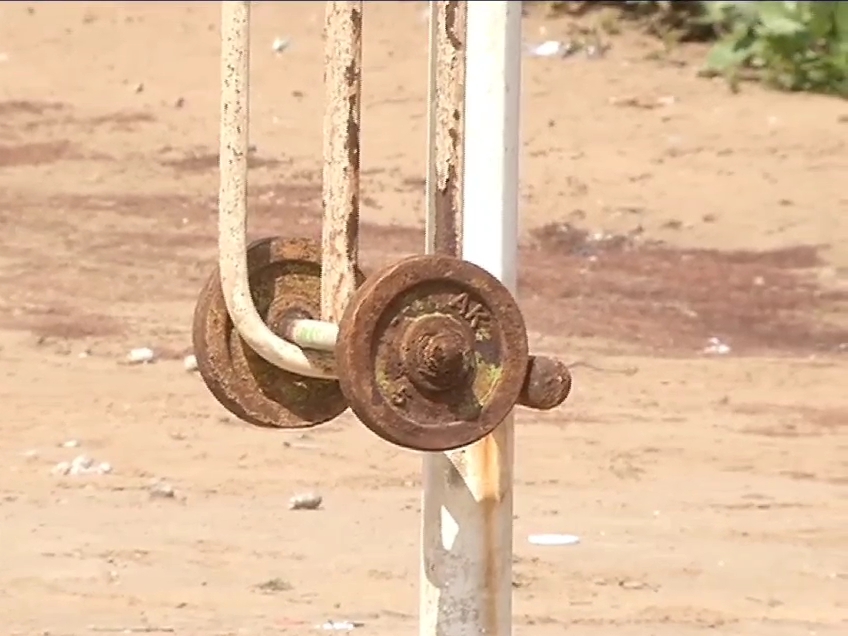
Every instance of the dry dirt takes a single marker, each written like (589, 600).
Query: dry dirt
(658, 211)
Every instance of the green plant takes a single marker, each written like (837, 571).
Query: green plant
(798, 46)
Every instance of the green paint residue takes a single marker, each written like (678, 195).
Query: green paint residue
(308, 333)
(383, 380)
(488, 377)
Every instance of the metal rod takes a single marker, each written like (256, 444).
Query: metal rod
(343, 85)
(446, 64)
(232, 203)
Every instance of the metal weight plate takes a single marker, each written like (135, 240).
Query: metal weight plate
(285, 282)
(432, 353)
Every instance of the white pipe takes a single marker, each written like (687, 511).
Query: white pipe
(467, 505)
(232, 202)
(312, 334)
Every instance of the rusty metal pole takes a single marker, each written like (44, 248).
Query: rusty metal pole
(453, 581)
(490, 239)
(446, 95)
(343, 85)
(467, 506)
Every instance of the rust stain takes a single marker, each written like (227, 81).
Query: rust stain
(487, 455)
(450, 100)
(341, 172)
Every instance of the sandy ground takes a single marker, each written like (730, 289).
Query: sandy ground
(658, 211)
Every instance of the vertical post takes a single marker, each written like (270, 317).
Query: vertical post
(445, 121)
(343, 84)
(235, 92)
(467, 505)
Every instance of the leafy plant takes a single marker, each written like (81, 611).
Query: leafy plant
(797, 46)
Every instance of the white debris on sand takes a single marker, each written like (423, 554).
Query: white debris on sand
(82, 465)
(716, 347)
(553, 539)
(305, 501)
(142, 355)
(190, 363)
(552, 48)
(162, 490)
(340, 626)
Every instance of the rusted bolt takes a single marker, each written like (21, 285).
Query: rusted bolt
(284, 325)
(437, 352)
(546, 385)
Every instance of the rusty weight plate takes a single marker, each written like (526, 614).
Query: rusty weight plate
(432, 353)
(285, 281)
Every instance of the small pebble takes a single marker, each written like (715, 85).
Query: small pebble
(62, 468)
(305, 501)
(190, 363)
(71, 443)
(162, 490)
(550, 48)
(81, 464)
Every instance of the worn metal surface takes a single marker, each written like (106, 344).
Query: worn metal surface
(547, 384)
(341, 145)
(446, 125)
(285, 282)
(444, 594)
(432, 353)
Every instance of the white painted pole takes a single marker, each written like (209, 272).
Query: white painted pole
(340, 193)
(467, 499)
(232, 202)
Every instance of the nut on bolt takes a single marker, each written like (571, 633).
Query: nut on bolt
(546, 385)
(437, 351)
